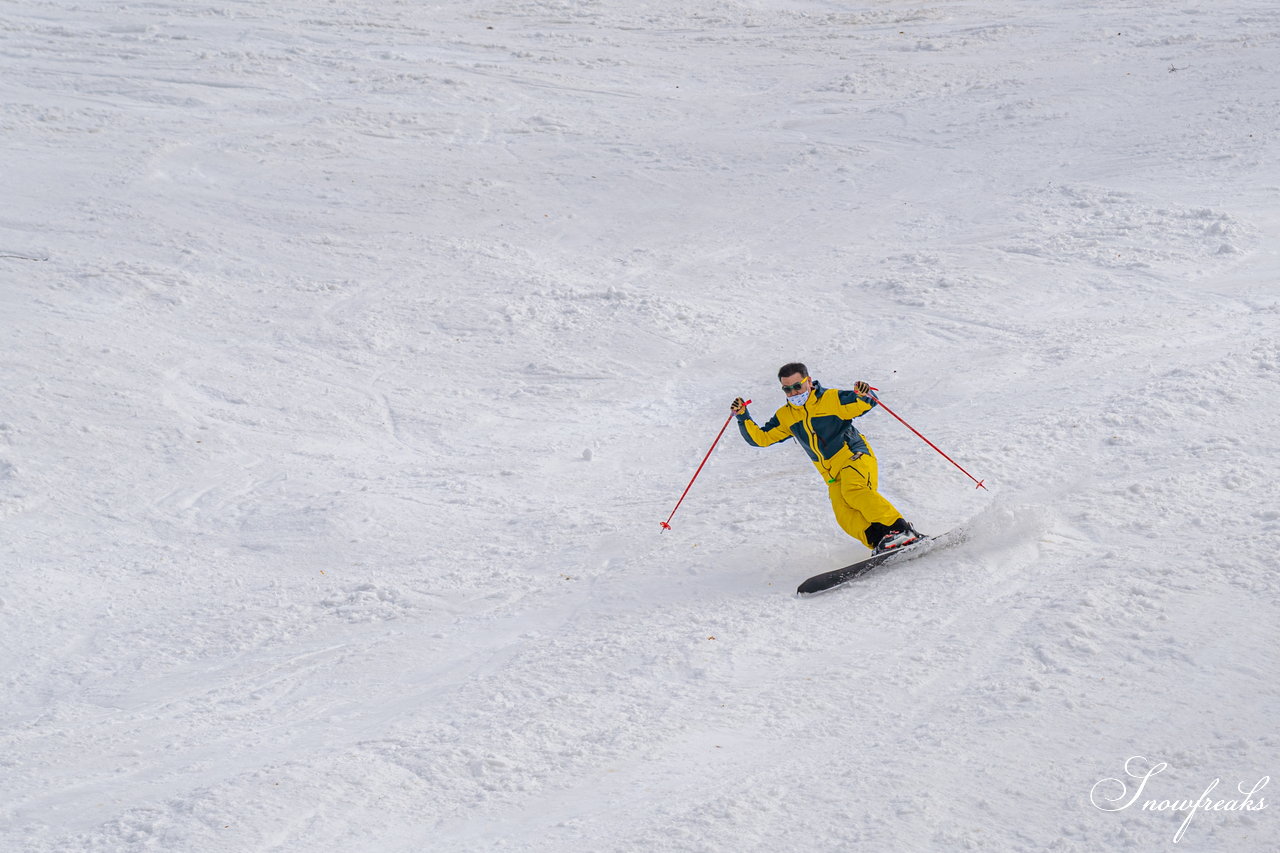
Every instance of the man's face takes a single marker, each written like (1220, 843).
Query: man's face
(796, 383)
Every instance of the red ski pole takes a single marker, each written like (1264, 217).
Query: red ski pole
(666, 525)
(981, 483)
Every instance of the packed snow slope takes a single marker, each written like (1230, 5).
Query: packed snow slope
(354, 351)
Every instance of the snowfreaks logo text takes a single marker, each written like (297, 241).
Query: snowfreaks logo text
(1141, 770)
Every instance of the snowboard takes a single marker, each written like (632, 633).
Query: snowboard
(826, 580)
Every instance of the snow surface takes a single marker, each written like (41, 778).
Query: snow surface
(354, 351)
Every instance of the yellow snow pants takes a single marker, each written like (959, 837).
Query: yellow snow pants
(856, 502)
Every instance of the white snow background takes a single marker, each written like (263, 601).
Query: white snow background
(353, 352)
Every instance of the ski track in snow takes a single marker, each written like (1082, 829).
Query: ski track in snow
(355, 351)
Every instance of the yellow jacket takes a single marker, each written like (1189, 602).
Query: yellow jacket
(823, 426)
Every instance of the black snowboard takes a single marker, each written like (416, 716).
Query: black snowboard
(826, 580)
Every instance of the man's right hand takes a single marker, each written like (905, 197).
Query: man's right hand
(739, 406)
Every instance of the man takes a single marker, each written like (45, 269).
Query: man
(821, 420)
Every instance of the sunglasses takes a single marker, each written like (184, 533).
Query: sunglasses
(794, 389)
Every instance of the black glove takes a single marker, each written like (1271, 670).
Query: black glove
(739, 406)
(861, 388)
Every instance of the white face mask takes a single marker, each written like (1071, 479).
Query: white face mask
(800, 399)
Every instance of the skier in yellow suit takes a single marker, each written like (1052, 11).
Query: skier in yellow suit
(821, 420)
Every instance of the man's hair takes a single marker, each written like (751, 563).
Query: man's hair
(792, 369)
